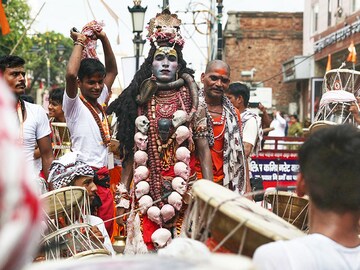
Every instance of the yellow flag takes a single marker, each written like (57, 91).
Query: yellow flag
(328, 65)
(352, 53)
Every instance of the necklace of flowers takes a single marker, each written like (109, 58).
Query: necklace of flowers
(103, 125)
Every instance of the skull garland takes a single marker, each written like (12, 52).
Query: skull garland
(154, 215)
(145, 202)
(182, 134)
(182, 170)
(161, 238)
(141, 189)
(142, 123)
(183, 154)
(140, 158)
(179, 185)
(175, 199)
(141, 140)
(141, 173)
(179, 118)
(164, 126)
(167, 212)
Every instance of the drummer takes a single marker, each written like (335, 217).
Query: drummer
(67, 171)
(329, 174)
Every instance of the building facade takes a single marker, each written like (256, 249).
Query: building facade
(256, 44)
(330, 26)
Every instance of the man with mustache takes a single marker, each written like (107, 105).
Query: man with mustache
(33, 122)
(223, 121)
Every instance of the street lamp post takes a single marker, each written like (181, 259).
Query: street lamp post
(138, 15)
(220, 37)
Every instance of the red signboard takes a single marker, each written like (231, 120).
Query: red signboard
(278, 167)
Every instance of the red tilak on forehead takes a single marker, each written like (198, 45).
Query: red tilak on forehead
(221, 71)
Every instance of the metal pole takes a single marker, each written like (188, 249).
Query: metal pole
(165, 4)
(220, 37)
(48, 69)
(137, 39)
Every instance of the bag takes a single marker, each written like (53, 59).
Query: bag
(257, 184)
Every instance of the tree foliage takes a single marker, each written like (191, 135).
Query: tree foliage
(37, 49)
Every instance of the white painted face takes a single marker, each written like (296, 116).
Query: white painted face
(140, 158)
(141, 173)
(183, 154)
(141, 189)
(182, 134)
(175, 199)
(145, 202)
(182, 170)
(167, 212)
(154, 215)
(179, 185)
(179, 118)
(141, 140)
(142, 123)
(161, 238)
(165, 64)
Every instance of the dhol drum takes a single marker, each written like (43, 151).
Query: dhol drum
(341, 87)
(289, 206)
(66, 231)
(64, 207)
(152, 261)
(234, 222)
(75, 241)
(61, 141)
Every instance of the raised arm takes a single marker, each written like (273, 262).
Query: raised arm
(74, 63)
(110, 61)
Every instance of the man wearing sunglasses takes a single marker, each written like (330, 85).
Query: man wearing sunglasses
(224, 126)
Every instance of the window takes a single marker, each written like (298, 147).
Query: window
(315, 18)
(329, 12)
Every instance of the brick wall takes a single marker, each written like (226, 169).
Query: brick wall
(264, 40)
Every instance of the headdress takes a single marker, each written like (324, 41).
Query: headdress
(63, 171)
(165, 29)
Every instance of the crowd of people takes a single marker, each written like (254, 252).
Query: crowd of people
(171, 133)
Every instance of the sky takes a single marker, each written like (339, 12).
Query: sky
(61, 16)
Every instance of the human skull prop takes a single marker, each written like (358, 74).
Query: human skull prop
(141, 140)
(183, 154)
(145, 202)
(167, 212)
(164, 127)
(141, 189)
(175, 199)
(182, 134)
(142, 123)
(179, 185)
(179, 118)
(154, 215)
(161, 238)
(140, 158)
(141, 173)
(182, 170)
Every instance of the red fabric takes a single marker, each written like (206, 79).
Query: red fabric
(102, 172)
(106, 210)
(148, 228)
